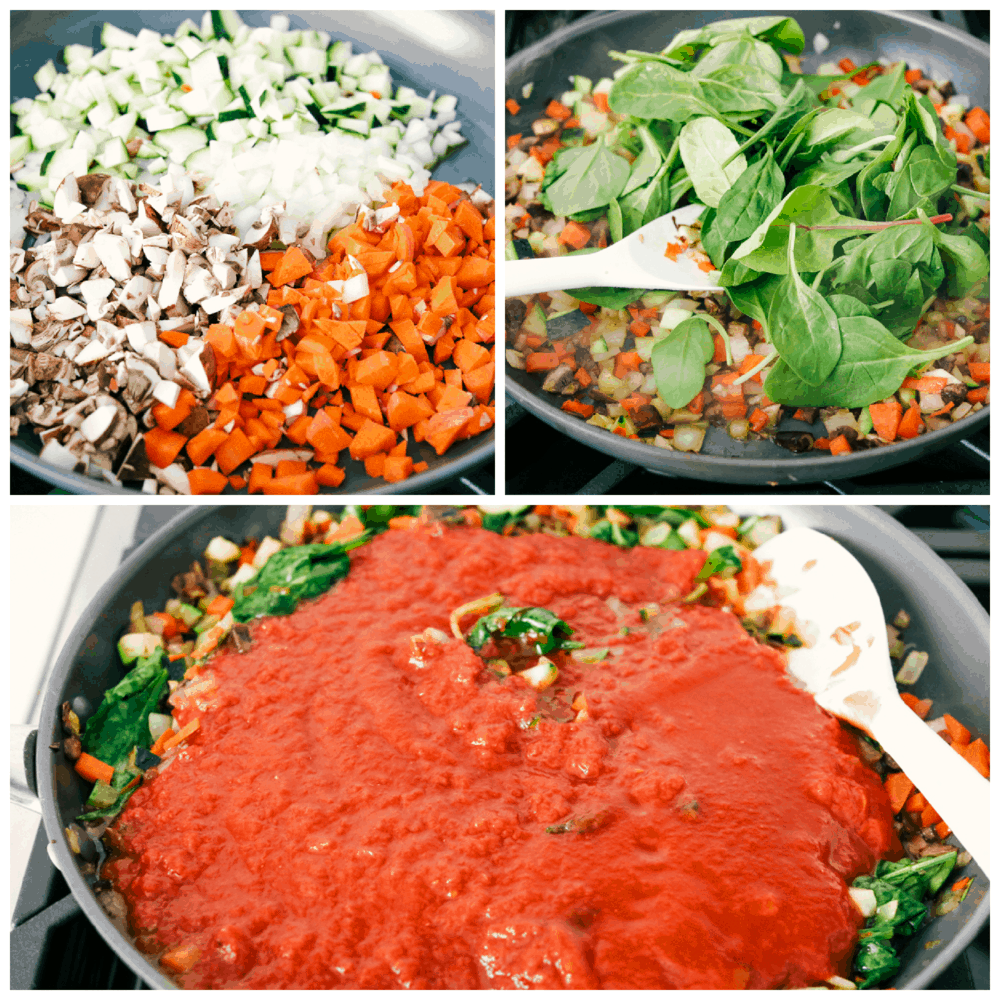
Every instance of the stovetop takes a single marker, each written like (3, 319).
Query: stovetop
(54, 946)
(541, 459)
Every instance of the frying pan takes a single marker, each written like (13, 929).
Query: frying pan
(948, 622)
(462, 65)
(943, 53)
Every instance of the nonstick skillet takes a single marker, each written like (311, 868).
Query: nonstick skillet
(948, 623)
(943, 52)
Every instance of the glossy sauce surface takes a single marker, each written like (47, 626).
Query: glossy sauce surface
(348, 819)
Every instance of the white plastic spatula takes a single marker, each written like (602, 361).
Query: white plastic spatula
(638, 261)
(847, 669)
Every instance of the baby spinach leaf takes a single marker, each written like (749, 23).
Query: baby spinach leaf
(712, 241)
(872, 366)
(646, 164)
(656, 90)
(740, 50)
(679, 361)
(292, 575)
(781, 32)
(736, 273)
(766, 249)
(588, 177)
(847, 305)
(646, 203)
(741, 88)
(750, 200)
(919, 182)
(615, 230)
(965, 262)
(922, 877)
(719, 559)
(615, 534)
(122, 719)
(675, 516)
(754, 297)
(803, 327)
(828, 172)
(539, 625)
(887, 87)
(705, 145)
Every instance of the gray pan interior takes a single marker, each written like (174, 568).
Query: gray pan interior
(462, 66)
(948, 622)
(941, 51)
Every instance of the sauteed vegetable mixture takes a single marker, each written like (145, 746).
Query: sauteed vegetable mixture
(566, 674)
(847, 216)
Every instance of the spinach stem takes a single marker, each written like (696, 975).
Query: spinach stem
(873, 227)
(969, 193)
(766, 360)
(712, 321)
(796, 142)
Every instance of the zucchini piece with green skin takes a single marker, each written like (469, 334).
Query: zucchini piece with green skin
(534, 322)
(136, 644)
(564, 325)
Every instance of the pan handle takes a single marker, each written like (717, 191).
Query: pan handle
(23, 780)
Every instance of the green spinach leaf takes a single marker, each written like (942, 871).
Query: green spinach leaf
(705, 146)
(872, 366)
(750, 200)
(538, 625)
(292, 575)
(679, 361)
(121, 721)
(585, 177)
(803, 327)
(722, 558)
(613, 533)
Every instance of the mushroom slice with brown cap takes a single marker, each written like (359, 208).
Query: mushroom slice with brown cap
(135, 293)
(64, 308)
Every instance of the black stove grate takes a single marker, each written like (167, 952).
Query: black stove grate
(54, 946)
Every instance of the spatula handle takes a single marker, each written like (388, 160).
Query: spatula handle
(959, 793)
(550, 274)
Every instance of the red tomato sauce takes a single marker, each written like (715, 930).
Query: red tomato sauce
(347, 818)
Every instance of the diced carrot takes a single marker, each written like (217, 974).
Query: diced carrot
(758, 420)
(980, 395)
(219, 605)
(397, 468)
(371, 438)
(912, 75)
(978, 122)
(929, 383)
(512, 106)
(697, 404)
(898, 786)
(91, 769)
(575, 235)
(719, 351)
(980, 370)
(911, 424)
(294, 264)
(584, 410)
(847, 66)
(173, 337)
(289, 467)
(601, 102)
(920, 706)
(821, 444)
(202, 481)
(444, 427)
(959, 734)
(203, 444)
(330, 475)
(886, 418)
(162, 446)
(234, 451)
(929, 816)
(157, 747)
(840, 445)
(259, 475)
(916, 803)
(180, 736)
(303, 484)
(513, 140)
(977, 754)
(558, 110)
(238, 482)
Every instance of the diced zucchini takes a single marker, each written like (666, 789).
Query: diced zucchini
(136, 644)
(20, 146)
(534, 322)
